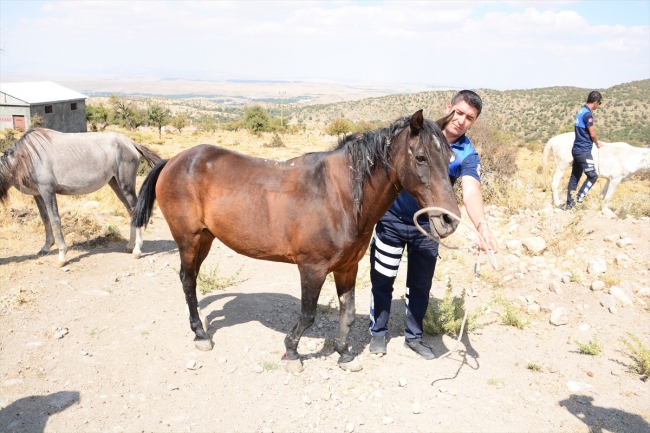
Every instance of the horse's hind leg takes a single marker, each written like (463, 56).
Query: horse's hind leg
(49, 237)
(52, 210)
(125, 192)
(204, 250)
(345, 281)
(189, 248)
(311, 282)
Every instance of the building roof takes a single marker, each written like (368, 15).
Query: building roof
(40, 92)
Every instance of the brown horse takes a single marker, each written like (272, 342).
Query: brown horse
(317, 211)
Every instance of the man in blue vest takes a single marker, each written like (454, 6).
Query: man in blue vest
(396, 230)
(583, 161)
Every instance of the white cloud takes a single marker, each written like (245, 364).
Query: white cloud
(440, 43)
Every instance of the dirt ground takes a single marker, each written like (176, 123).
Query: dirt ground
(123, 364)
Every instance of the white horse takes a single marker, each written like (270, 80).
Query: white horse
(44, 163)
(613, 161)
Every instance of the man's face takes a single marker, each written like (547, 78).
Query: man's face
(464, 117)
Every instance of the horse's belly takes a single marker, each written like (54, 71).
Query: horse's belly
(80, 186)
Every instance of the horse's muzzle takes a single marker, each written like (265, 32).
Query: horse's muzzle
(443, 224)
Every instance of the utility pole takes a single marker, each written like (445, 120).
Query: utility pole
(282, 95)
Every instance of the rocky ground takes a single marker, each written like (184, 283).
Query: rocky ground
(104, 344)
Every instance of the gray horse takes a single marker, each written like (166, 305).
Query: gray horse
(44, 163)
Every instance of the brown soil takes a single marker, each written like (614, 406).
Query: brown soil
(123, 364)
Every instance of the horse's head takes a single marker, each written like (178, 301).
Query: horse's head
(423, 169)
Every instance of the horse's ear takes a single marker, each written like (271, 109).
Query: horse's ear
(443, 121)
(417, 120)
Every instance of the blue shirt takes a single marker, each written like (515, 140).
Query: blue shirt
(466, 163)
(582, 142)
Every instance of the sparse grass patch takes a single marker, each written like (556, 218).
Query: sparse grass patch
(533, 366)
(640, 353)
(495, 381)
(632, 203)
(610, 279)
(511, 315)
(564, 239)
(575, 278)
(276, 141)
(207, 282)
(445, 316)
(592, 348)
(270, 366)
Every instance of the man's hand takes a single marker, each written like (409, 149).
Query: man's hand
(484, 230)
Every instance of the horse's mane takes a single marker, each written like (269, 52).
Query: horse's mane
(369, 150)
(16, 162)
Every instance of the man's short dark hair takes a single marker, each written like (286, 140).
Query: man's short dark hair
(594, 96)
(472, 99)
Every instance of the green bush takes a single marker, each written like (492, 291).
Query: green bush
(445, 316)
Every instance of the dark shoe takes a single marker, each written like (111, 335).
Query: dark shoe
(569, 206)
(419, 347)
(378, 345)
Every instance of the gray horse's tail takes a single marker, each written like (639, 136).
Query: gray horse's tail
(547, 153)
(149, 155)
(17, 162)
(147, 196)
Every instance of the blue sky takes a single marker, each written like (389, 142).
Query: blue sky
(498, 45)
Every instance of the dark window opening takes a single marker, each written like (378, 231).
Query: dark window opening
(73, 106)
(48, 109)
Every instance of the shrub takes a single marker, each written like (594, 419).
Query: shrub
(276, 141)
(8, 140)
(534, 367)
(593, 348)
(211, 281)
(640, 353)
(256, 119)
(446, 316)
(510, 316)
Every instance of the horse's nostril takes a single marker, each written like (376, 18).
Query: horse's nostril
(447, 219)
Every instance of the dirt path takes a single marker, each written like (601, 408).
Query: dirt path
(123, 364)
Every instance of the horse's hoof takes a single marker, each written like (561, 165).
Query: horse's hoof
(60, 264)
(128, 250)
(204, 345)
(292, 365)
(354, 365)
(137, 255)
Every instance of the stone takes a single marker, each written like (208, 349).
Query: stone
(597, 285)
(90, 205)
(349, 427)
(622, 243)
(257, 369)
(306, 399)
(628, 292)
(222, 360)
(612, 238)
(172, 387)
(607, 213)
(613, 309)
(326, 395)
(58, 335)
(547, 308)
(534, 245)
(402, 382)
(514, 246)
(584, 327)
(191, 364)
(417, 408)
(533, 309)
(559, 317)
(578, 386)
(387, 420)
(324, 375)
(620, 296)
(644, 291)
(596, 265)
(566, 279)
(553, 287)
(622, 259)
(608, 301)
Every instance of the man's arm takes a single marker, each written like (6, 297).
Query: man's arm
(594, 138)
(473, 200)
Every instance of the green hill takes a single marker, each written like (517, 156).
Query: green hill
(533, 115)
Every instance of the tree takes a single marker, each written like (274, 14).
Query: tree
(338, 127)
(138, 118)
(157, 116)
(256, 119)
(97, 114)
(178, 122)
(124, 110)
(208, 124)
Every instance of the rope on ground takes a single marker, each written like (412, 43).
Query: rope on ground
(470, 247)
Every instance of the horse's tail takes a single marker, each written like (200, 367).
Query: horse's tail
(547, 152)
(149, 155)
(147, 196)
(17, 162)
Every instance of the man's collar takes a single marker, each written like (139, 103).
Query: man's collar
(460, 141)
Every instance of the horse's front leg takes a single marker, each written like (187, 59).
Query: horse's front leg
(49, 237)
(345, 281)
(612, 184)
(311, 282)
(603, 192)
(555, 185)
(52, 209)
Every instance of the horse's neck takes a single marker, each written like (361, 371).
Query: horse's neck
(379, 192)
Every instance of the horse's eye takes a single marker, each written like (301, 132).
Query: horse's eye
(421, 159)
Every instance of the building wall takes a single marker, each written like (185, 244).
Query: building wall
(62, 118)
(8, 111)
